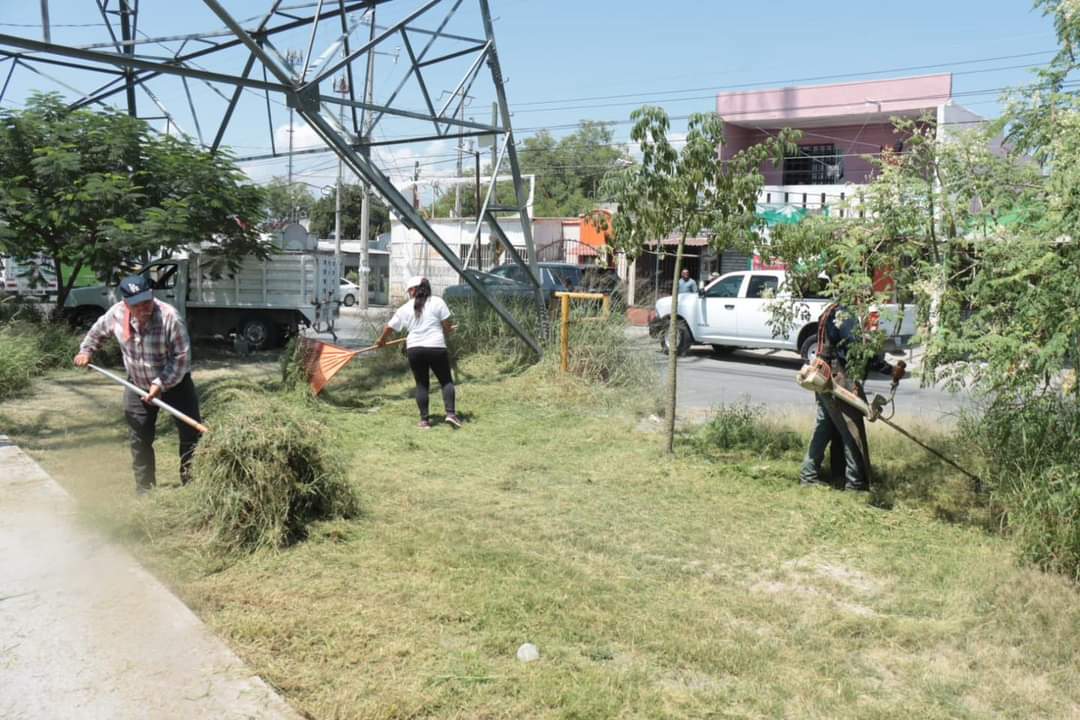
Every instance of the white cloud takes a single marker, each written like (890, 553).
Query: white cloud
(304, 138)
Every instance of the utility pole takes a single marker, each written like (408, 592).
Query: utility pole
(293, 58)
(45, 21)
(416, 185)
(475, 149)
(460, 160)
(341, 86)
(365, 200)
(460, 163)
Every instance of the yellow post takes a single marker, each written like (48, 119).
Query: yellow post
(564, 331)
(606, 303)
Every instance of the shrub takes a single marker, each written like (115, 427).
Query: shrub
(1030, 454)
(742, 426)
(265, 471)
(31, 345)
(20, 359)
(17, 308)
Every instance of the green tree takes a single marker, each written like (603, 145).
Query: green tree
(98, 189)
(569, 172)
(322, 214)
(987, 242)
(283, 202)
(685, 194)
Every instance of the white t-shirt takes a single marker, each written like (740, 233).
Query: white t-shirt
(425, 331)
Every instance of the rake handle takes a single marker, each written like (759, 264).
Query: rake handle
(186, 419)
(376, 347)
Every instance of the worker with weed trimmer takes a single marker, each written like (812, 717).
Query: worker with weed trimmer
(157, 357)
(837, 420)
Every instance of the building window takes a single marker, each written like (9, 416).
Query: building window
(814, 165)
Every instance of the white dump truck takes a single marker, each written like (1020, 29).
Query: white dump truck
(261, 301)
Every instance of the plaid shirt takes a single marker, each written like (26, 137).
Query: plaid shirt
(159, 354)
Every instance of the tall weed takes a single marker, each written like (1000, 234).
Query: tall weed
(20, 360)
(600, 352)
(481, 330)
(744, 427)
(1030, 454)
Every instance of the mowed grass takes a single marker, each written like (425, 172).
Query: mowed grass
(653, 587)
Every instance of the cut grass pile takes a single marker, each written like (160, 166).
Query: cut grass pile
(654, 587)
(266, 471)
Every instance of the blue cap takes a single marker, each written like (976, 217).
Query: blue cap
(136, 289)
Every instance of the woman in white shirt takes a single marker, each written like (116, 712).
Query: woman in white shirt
(426, 319)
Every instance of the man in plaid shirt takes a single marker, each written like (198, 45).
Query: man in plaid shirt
(157, 356)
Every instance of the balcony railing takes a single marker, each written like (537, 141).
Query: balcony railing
(832, 200)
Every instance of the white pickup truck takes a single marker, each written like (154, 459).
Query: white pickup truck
(733, 311)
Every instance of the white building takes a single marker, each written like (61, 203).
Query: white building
(556, 239)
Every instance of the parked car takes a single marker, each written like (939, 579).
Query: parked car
(350, 291)
(733, 312)
(510, 281)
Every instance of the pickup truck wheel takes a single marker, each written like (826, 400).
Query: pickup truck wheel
(808, 349)
(684, 339)
(348, 300)
(258, 332)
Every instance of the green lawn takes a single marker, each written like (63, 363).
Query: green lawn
(652, 587)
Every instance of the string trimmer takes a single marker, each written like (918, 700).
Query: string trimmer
(875, 409)
(818, 377)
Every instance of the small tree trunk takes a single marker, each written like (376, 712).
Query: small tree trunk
(673, 349)
(63, 286)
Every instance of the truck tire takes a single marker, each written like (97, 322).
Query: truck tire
(808, 349)
(685, 339)
(258, 332)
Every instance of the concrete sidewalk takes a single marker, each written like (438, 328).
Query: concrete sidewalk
(85, 632)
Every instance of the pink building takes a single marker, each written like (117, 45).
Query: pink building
(843, 126)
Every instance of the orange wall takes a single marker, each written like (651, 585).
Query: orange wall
(590, 235)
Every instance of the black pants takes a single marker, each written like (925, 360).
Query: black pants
(437, 360)
(142, 425)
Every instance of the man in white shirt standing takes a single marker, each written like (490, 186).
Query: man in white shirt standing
(686, 283)
(426, 319)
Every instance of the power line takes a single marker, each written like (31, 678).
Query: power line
(818, 78)
(691, 98)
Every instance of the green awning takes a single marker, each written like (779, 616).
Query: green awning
(786, 215)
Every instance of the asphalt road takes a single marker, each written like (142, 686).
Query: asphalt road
(706, 380)
(356, 327)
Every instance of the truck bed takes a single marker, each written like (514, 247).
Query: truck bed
(282, 281)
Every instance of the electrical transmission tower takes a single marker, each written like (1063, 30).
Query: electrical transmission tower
(240, 70)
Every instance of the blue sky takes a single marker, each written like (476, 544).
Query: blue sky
(563, 49)
(565, 59)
